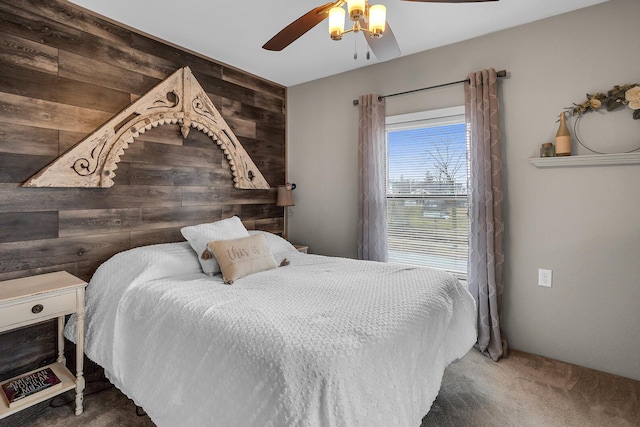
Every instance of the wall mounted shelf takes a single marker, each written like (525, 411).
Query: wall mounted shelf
(587, 160)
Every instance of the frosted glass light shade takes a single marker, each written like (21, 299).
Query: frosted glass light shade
(356, 9)
(336, 22)
(377, 19)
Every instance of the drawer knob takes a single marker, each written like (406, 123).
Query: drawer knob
(37, 308)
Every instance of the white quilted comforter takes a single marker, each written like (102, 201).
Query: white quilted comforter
(321, 342)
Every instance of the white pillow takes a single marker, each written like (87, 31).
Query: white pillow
(199, 235)
(279, 247)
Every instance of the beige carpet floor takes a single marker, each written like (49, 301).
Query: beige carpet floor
(521, 390)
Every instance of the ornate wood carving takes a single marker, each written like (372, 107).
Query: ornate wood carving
(178, 99)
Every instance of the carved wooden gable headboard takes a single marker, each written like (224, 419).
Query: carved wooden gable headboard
(178, 99)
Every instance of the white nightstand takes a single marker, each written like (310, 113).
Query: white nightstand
(35, 299)
(301, 248)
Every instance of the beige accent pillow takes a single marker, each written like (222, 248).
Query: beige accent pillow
(241, 257)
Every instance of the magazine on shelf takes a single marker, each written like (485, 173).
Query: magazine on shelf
(27, 385)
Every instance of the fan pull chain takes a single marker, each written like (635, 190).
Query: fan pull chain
(355, 48)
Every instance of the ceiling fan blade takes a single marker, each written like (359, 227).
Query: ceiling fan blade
(297, 28)
(450, 1)
(385, 47)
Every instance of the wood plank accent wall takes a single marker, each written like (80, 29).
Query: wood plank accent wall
(64, 72)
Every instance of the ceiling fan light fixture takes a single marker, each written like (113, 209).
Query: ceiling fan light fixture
(356, 9)
(359, 11)
(372, 20)
(336, 22)
(377, 20)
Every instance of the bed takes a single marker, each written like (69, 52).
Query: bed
(322, 341)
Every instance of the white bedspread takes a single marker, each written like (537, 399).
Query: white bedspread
(321, 342)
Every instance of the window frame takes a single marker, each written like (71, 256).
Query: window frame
(421, 119)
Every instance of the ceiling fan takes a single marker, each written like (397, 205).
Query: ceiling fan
(371, 20)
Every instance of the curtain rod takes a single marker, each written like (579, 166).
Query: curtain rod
(501, 73)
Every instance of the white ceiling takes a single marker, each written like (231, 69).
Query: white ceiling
(234, 31)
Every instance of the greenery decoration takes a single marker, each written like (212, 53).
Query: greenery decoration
(617, 97)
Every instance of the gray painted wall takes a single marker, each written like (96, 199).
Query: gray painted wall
(583, 223)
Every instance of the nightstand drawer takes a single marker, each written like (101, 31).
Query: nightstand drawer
(37, 308)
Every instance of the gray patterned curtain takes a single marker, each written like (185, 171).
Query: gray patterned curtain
(372, 170)
(486, 256)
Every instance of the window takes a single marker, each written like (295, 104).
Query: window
(427, 181)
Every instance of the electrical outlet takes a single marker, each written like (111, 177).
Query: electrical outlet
(544, 277)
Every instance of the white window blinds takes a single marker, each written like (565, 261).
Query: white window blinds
(427, 181)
